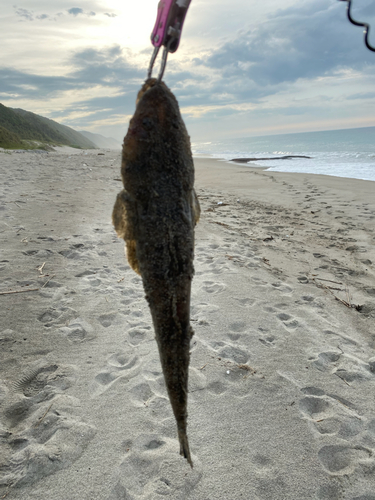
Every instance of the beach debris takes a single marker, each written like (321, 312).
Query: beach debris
(347, 302)
(40, 268)
(156, 214)
(269, 238)
(37, 424)
(247, 368)
(19, 291)
(49, 279)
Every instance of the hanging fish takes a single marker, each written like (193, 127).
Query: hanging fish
(156, 214)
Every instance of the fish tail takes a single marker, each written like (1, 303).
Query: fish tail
(184, 446)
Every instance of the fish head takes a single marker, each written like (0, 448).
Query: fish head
(156, 120)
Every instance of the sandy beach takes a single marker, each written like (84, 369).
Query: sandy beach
(282, 373)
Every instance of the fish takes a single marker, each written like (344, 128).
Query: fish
(155, 214)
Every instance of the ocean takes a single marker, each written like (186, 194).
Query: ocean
(341, 153)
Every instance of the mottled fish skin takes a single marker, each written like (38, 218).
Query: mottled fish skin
(156, 214)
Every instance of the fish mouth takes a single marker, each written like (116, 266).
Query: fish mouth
(149, 83)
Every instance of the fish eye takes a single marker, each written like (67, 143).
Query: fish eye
(147, 123)
(175, 123)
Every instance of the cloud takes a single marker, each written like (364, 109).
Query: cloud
(309, 40)
(109, 68)
(28, 15)
(75, 11)
(362, 95)
(24, 13)
(302, 48)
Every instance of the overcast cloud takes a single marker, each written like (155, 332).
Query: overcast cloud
(244, 70)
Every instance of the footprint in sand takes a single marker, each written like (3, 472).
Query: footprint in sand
(288, 321)
(217, 387)
(87, 272)
(123, 365)
(40, 432)
(158, 407)
(283, 288)
(229, 352)
(74, 252)
(107, 319)
(200, 313)
(337, 420)
(152, 469)
(212, 287)
(343, 460)
(237, 330)
(78, 330)
(245, 302)
(139, 334)
(268, 340)
(349, 368)
(233, 369)
(141, 394)
(56, 316)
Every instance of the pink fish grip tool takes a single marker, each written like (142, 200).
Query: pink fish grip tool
(167, 30)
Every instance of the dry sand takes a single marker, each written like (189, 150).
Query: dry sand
(282, 377)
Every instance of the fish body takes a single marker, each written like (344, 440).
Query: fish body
(156, 214)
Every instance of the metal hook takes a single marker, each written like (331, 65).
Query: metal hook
(167, 30)
(152, 62)
(366, 26)
(163, 63)
(163, 60)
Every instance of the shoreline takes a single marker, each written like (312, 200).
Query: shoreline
(282, 362)
(264, 167)
(237, 177)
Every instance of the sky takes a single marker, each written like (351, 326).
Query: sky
(243, 68)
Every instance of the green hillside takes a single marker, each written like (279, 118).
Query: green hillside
(9, 140)
(27, 126)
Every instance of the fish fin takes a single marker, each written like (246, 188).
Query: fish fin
(184, 446)
(125, 227)
(131, 255)
(196, 209)
(119, 216)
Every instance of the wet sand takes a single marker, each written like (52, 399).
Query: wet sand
(283, 357)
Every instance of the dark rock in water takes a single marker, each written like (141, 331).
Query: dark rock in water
(289, 157)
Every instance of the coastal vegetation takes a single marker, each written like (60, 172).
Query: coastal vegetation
(20, 129)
